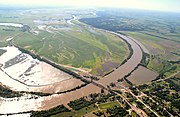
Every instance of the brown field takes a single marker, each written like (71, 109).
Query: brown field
(120, 72)
(142, 75)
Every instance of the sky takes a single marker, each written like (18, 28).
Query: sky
(161, 5)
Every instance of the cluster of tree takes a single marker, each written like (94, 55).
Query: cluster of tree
(163, 92)
(166, 68)
(176, 103)
(92, 77)
(91, 99)
(35, 56)
(50, 112)
(117, 111)
(173, 110)
(7, 93)
(99, 113)
(105, 98)
(149, 112)
(47, 94)
(37, 93)
(139, 104)
(130, 51)
(120, 80)
(158, 108)
(13, 114)
(108, 73)
(146, 110)
(2, 51)
(145, 59)
(172, 85)
(129, 95)
(94, 96)
(112, 84)
(78, 87)
(160, 76)
(79, 103)
(112, 23)
(174, 62)
(25, 28)
(143, 86)
(8, 29)
(134, 90)
(175, 53)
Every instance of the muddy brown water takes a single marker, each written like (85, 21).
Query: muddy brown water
(89, 89)
(142, 75)
(58, 99)
(127, 67)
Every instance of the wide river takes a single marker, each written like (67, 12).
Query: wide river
(48, 102)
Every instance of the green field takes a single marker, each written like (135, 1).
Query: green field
(78, 113)
(162, 51)
(159, 32)
(74, 45)
(108, 105)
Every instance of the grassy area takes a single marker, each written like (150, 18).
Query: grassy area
(159, 33)
(91, 109)
(74, 45)
(108, 105)
(78, 113)
(161, 50)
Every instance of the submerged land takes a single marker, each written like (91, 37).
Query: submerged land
(89, 62)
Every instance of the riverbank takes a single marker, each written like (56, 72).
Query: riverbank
(57, 99)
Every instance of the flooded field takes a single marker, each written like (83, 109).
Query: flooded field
(20, 104)
(91, 88)
(59, 86)
(142, 75)
(11, 24)
(32, 74)
(128, 66)
(48, 102)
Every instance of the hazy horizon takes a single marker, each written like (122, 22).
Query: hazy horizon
(159, 5)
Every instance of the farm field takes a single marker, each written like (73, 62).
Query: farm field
(164, 53)
(60, 37)
(155, 30)
(23, 73)
(142, 75)
(89, 62)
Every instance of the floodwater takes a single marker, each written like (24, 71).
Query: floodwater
(113, 77)
(141, 45)
(142, 75)
(127, 67)
(21, 72)
(12, 24)
(57, 99)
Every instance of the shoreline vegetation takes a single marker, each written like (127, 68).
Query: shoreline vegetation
(40, 58)
(36, 56)
(156, 98)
